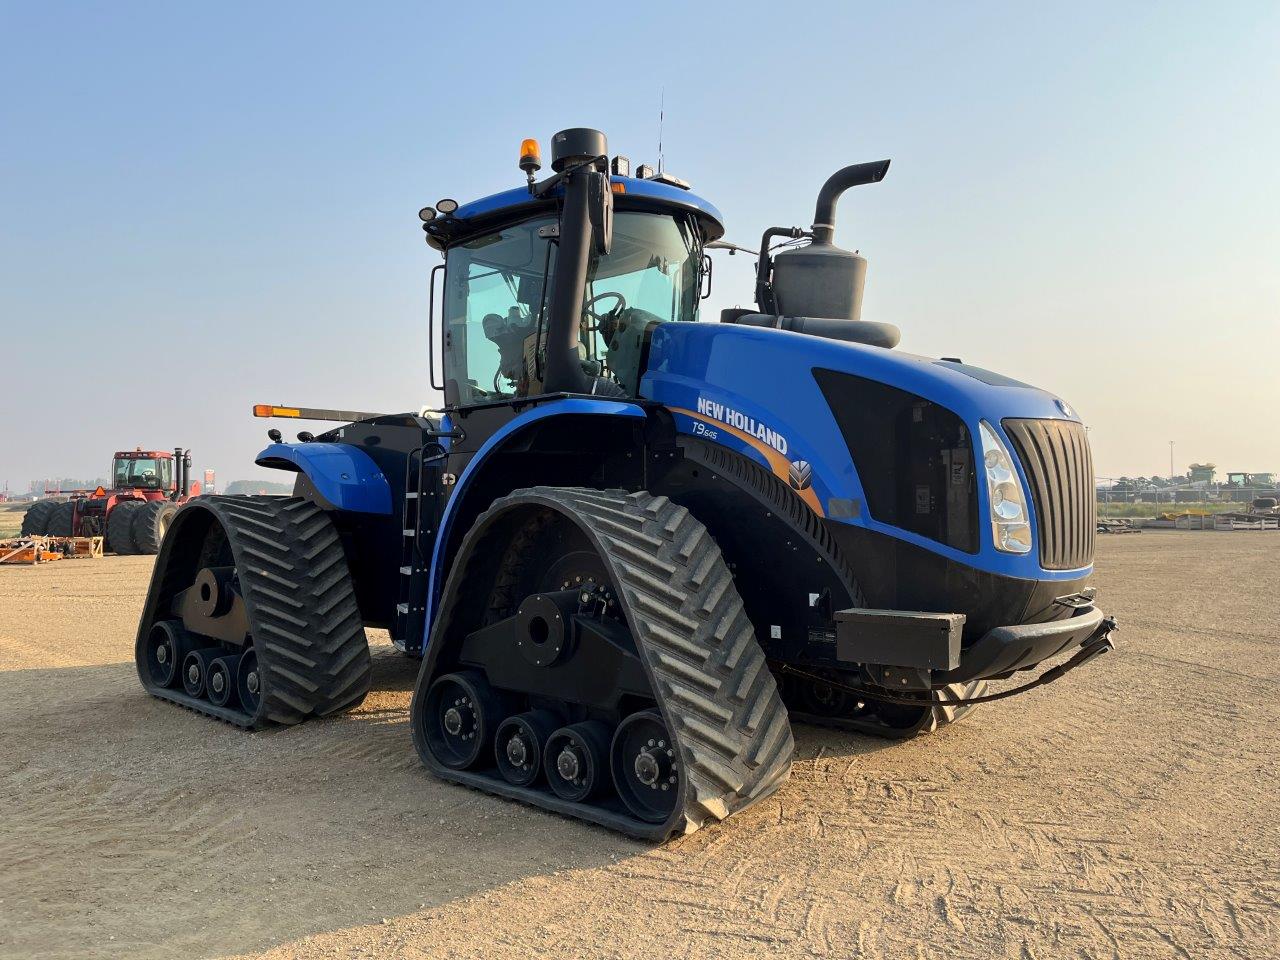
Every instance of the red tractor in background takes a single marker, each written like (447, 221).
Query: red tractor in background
(147, 487)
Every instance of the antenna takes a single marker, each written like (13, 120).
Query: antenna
(662, 103)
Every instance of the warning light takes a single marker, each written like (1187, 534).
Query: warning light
(267, 410)
(530, 156)
(99, 492)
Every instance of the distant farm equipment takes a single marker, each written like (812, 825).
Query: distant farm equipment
(147, 487)
(38, 549)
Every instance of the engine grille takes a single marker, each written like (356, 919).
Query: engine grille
(1059, 465)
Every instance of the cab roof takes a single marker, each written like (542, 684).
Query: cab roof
(635, 194)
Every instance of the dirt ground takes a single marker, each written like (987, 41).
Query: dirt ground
(1131, 810)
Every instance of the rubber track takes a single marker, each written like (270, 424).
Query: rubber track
(709, 674)
(930, 720)
(302, 609)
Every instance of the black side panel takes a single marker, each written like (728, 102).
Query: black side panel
(914, 458)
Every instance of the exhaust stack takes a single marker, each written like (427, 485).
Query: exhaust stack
(817, 289)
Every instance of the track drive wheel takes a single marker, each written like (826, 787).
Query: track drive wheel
(120, 528)
(61, 520)
(604, 619)
(150, 523)
(261, 589)
(35, 522)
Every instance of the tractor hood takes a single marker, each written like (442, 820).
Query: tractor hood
(800, 406)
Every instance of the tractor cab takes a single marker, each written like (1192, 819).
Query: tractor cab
(556, 287)
(496, 291)
(142, 470)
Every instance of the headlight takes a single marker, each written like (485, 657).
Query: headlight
(1010, 529)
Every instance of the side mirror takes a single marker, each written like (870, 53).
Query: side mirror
(600, 207)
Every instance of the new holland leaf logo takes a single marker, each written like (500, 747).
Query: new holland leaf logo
(800, 474)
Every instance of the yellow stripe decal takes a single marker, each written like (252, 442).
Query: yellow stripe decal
(779, 464)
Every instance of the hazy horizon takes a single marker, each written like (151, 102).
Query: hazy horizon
(209, 207)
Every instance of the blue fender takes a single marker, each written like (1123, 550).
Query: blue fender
(343, 475)
(572, 405)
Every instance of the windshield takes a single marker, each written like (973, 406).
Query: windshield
(146, 472)
(494, 302)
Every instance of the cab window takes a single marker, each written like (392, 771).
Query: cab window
(495, 332)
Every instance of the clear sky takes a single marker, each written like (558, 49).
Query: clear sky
(206, 206)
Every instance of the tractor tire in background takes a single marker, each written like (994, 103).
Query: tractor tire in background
(35, 522)
(150, 523)
(120, 528)
(655, 716)
(270, 578)
(61, 520)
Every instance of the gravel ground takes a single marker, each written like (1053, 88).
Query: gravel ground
(1130, 810)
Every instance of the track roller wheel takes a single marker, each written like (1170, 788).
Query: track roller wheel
(35, 522)
(460, 718)
(645, 766)
(575, 759)
(167, 646)
(249, 683)
(62, 520)
(150, 522)
(265, 578)
(195, 670)
(519, 743)
(120, 527)
(221, 681)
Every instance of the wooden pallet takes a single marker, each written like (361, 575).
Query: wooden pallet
(32, 550)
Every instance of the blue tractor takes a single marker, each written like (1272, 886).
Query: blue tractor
(633, 548)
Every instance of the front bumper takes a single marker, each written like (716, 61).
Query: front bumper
(919, 651)
(1005, 650)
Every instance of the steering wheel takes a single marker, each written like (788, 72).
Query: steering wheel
(589, 308)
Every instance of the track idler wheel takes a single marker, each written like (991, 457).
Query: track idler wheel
(575, 760)
(249, 682)
(195, 669)
(460, 718)
(646, 766)
(167, 646)
(519, 743)
(221, 681)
